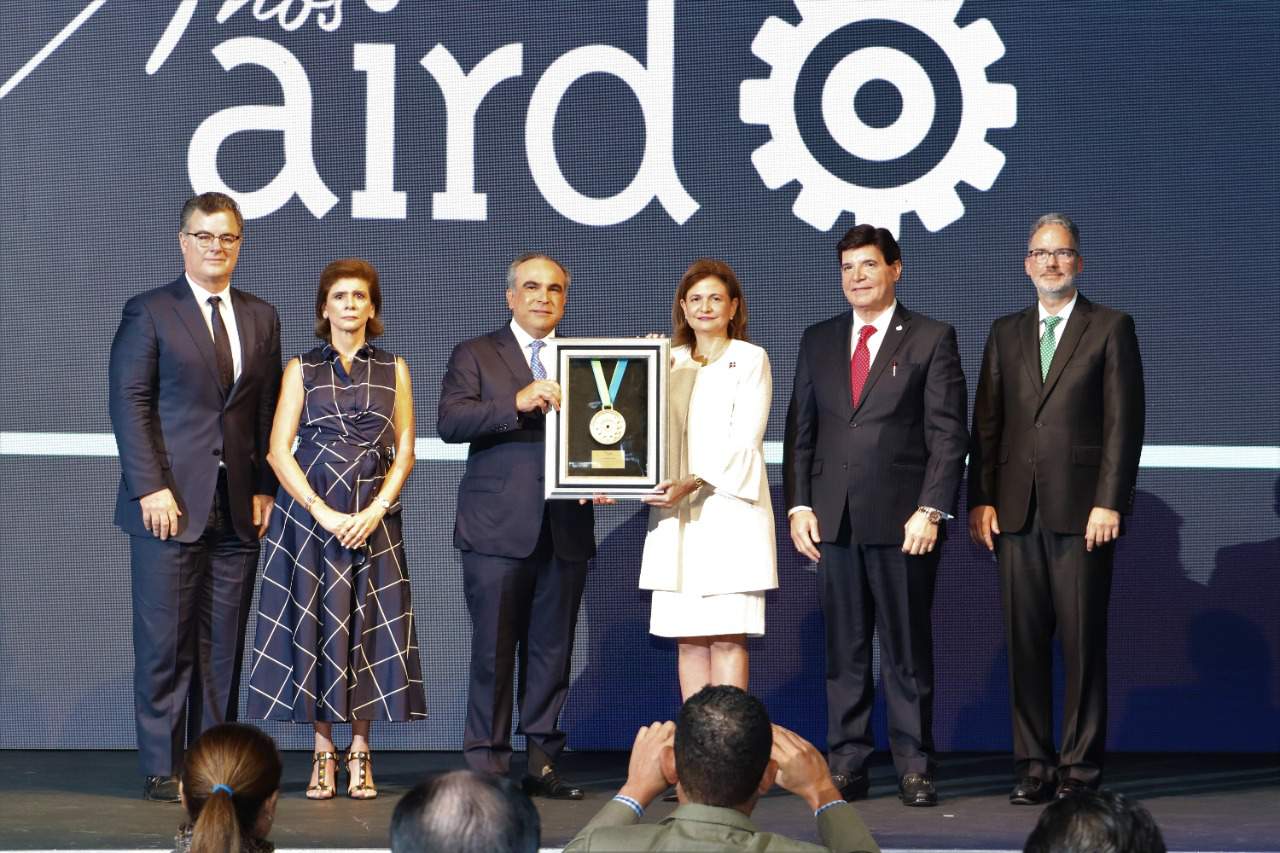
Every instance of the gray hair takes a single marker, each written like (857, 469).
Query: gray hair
(465, 812)
(534, 256)
(1057, 219)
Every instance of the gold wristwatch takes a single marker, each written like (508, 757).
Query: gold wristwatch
(932, 514)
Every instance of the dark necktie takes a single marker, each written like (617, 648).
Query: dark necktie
(860, 364)
(221, 345)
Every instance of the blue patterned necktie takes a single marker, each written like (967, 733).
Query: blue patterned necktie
(1047, 345)
(535, 363)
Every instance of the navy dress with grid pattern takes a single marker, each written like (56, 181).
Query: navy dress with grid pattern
(335, 637)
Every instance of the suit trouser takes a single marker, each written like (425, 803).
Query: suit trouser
(864, 588)
(190, 609)
(526, 607)
(1049, 581)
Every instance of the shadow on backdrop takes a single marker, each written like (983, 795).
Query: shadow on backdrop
(1201, 662)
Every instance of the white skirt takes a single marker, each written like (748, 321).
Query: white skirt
(682, 614)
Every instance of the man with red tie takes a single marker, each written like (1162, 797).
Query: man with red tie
(874, 453)
(1057, 435)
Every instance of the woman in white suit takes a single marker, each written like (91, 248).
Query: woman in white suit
(710, 553)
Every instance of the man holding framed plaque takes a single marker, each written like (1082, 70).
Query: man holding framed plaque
(524, 558)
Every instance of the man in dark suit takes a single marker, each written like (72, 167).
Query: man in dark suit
(1057, 434)
(874, 453)
(195, 369)
(524, 559)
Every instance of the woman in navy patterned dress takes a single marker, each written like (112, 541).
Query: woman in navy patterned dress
(335, 638)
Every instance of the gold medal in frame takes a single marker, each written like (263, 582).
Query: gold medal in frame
(610, 435)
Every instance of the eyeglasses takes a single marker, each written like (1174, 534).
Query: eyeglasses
(1041, 256)
(204, 239)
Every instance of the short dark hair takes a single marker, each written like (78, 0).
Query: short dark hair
(465, 812)
(681, 334)
(209, 203)
(349, 268)
(723, 743)
(868, 235)
(1095, 822)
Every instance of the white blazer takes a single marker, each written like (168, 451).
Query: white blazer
(721, 538)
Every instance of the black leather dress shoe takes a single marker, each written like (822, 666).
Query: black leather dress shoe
(1070, 787)
(852, 786)
(1031, 791)
(551, 786)
(161, 789)
(916, 789)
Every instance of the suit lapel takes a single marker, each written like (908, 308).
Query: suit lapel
(843, 376)
(247, 332)
(899, 326)
(1029, 338)
(189, 313)
(504, 341)
(1076, 326)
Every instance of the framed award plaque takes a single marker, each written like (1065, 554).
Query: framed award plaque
(610, 435)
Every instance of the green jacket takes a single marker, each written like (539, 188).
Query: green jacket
(693, 827)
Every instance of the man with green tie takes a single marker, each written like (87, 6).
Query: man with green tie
(1057, 434)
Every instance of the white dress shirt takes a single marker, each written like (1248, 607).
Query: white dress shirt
(547, 355)
(228, 320)
(1064, 314)
(881, 322)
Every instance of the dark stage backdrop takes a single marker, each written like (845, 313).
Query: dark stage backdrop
(440, 138)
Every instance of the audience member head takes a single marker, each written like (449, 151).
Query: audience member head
(1095, 822)
(722, 747)
(230, 781)
(465, 812)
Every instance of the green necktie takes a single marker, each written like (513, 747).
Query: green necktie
(1047, 344)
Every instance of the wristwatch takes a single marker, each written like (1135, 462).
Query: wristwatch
(383, 502)
(932, 514)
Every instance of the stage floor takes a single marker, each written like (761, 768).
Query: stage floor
(90, 801)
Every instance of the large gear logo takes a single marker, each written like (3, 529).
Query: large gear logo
(937, 140)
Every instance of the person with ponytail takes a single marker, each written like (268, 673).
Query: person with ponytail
(229, 786)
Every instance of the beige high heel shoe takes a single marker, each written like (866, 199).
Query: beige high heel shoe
(324, 788)
(359, 787)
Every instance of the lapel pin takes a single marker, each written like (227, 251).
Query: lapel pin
(898, 328)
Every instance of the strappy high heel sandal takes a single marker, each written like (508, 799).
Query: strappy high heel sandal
(324, 788)
(359, 787)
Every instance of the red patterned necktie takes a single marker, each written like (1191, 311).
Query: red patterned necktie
(860, 364)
